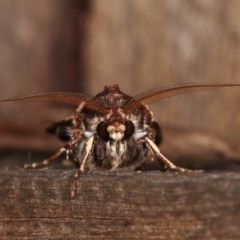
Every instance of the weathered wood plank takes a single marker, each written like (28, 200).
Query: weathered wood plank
(119, 205)
(42, 49)
(143, 44)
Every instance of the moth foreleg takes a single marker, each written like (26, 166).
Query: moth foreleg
(66, 149)
(47, 161)
(82, 167)
(166, 162)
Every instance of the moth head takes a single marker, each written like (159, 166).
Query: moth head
(115, 127)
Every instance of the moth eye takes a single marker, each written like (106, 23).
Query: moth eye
(158, 133)
(102, 131)
(129, 129)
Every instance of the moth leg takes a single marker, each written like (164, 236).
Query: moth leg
(48, 161)
(167, 163)
(66, 149)
(81, 168)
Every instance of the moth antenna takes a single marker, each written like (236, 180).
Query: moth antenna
(157, 94)
(61, 97)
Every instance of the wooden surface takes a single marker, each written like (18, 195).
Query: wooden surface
(41, 50)
(125, 205)
(57, 46)
(144, 44)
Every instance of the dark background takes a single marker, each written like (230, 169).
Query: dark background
(82, 45)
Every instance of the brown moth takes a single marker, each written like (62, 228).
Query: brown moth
(112, 130)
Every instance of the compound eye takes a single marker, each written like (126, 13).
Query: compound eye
(102, 131)
(129, 129)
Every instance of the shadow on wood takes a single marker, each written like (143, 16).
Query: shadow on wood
(119, 205)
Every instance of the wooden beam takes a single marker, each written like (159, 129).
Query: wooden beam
(119, 205)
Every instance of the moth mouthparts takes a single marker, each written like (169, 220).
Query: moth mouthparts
(116, 132)
(116, 127)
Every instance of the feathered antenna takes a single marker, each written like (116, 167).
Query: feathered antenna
(62, 97)
(171, 91)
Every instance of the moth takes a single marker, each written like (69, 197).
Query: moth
(112, 130)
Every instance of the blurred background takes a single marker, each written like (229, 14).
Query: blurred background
(82, 45)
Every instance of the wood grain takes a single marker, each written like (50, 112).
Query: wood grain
(144, 44)
(139, 44)
(119, 205)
